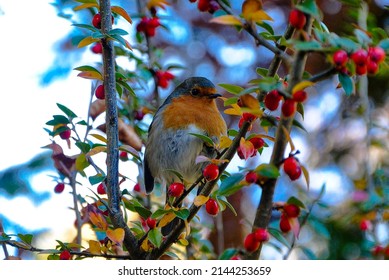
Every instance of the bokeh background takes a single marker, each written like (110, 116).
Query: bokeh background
(345, 145)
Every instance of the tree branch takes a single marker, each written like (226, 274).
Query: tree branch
(113, 191)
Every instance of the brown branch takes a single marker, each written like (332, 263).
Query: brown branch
(264, 210)
(113, 191)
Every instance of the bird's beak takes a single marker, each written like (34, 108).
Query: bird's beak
(215, 95)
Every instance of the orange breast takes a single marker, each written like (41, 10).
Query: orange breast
(202, 112)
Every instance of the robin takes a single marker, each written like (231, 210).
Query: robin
(190, 108)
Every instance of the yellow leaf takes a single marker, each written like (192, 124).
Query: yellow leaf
(90, 75)
(99, 137)
(187, 227)
(87, 41)
(227, 20)
(271, 138)
(261, 16)
(94, 247)
(183, 242)
(249, 7)
(225, 142)
(167, 218)
(249, 101)
(96, 150)
(145, 245)
(116, 235)
(287, 135)
(302, 85)
(200, 200)
(98, 220)
(120, 11)
(235, 110)
(306, 175)
(86, 6)
(157, 3)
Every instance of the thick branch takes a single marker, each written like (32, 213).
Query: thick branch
(112, 181)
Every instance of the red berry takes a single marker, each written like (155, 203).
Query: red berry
(249, 117)
(139, 115)
(241, 121)
(137, 187)
(372, 67)
(101, 189)
(235, 258)
(192, 1)
(360, 57)
(272, 100)
(96, 21)
(213, 6)
(212, 207)
(59, 188)
(365, 225)
(340, 58)
(361, 69)
(163, 78)
(65, 134)
(203, 5)
(376, 54)
(300, 96)
(257, 142)
(211, 172)
(291, 210)
(123, 156)
(251, 243)
(176, 189)
(288, 107)
(377, 250)
(100, 92)
(386, 251)
(97, 48)
(284, 224)
(65, 255)
(251, 177)
(239, 152)
(151, 223)
(262, 235)
(292, 168)
(297, 19)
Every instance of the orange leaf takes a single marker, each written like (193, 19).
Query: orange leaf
(200, 200)
(90, 75)
(302, 85)
(252, 11)
(306, 174)
(98, 220)
(94, 247)
(167, 218)
(246, 147)
(120, 11)
(235, 110)
(116, 235)
(157, 3)
(87, 41)
(227, 20)
(249, 101)
(96, 150)
(86, 6)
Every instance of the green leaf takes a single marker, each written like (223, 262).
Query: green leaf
(142, 211)
(228, 254)
(310, 7)
(308, 252)
(81, 162)
(182, 213)
(26, 238)
(127, 87)
(121, 40)
(178, 174)
(268, 171)
(266, 26)
(307, 46)
(223, 200)
(117, 31)
(299, 125)
(87, 1)
(384, 44)
(160, 213)
(230, 185)
(58, 119)
(4, 237)
(84, 147)
(86, 26)
(277, 234)
(67, 111)
(155, 237)
(295, 201)
(347, 83)
(262, 71)
(205, 139)
(82, 122)
(87, 68)
(230, 101)
(362, 37)
(231, 88)
(96, 179)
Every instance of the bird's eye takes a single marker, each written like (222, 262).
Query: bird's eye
(195, 92)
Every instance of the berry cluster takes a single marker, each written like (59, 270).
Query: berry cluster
(254, 239)
(365, 61)
(209, 6)
(148, 26)
(289, 106)
(289, 212)
(163, 78)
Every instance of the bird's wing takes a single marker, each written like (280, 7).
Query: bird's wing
(149, 179)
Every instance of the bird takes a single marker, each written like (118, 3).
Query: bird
(190, 108)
